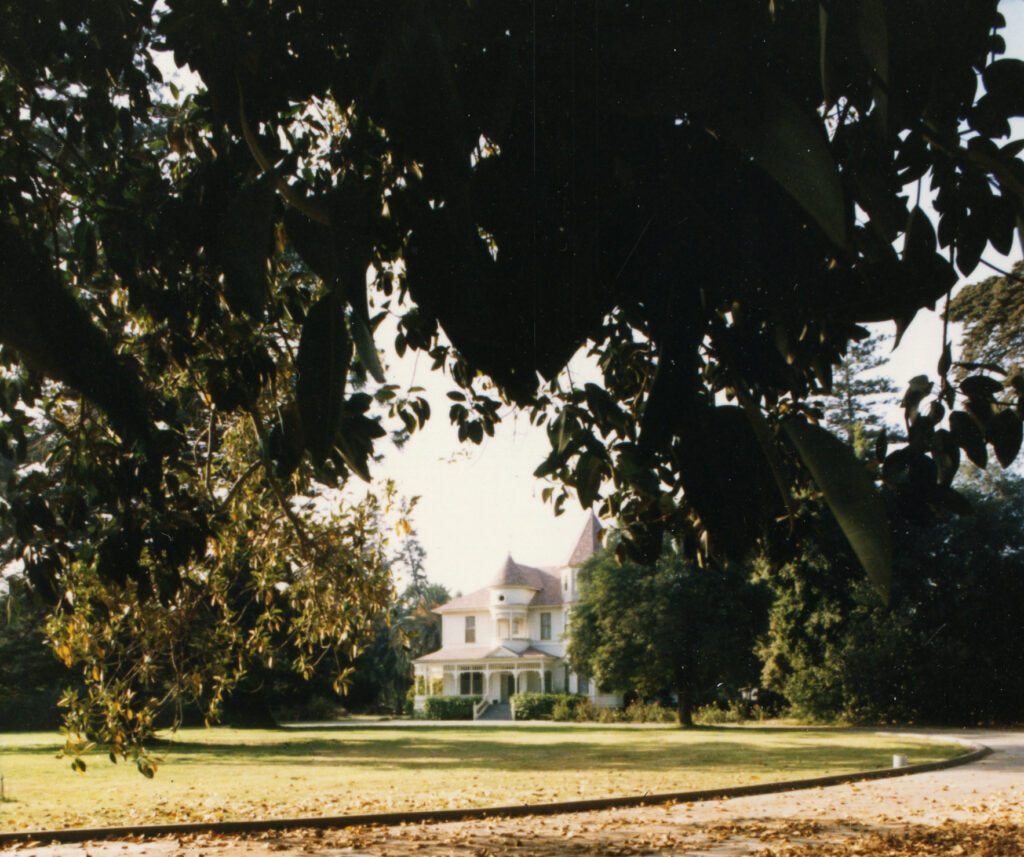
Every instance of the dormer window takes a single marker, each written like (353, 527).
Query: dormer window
(471, 629)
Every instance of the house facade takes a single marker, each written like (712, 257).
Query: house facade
(511, 636)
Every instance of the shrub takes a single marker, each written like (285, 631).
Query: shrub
(450, 707)
(610, 715)
(539, 706)
(648, 712)
(581, 710)
(563, 710)
(712, 714)
(737, 711)
(587, 712)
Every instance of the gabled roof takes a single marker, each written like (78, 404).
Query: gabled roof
(588, 543)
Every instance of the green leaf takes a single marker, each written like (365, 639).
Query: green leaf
(852, 497)
(325, 352)
(919, 240)
(587, 478)
(946, 360)
(365, 348)
(981, 387)
(826, 66)
(84, 238)
(1004, 433)
(790, 145)
(968, 437)
(873, 34)
(245, 242)
(917, 389)
(314, 242)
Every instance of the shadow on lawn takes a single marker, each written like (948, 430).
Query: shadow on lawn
(425, 749)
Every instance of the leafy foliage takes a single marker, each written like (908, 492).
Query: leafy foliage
(944, 651)
(348, 139)
(449, 707)
(195, 268)
(382, 675)
(539, 706)
(663, 630)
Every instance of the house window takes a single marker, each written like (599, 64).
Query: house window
(471, 683)
(545, 626)
(565, 584)
(517, 628)
(503, 629)
(583, 684)
(470, 630)
(547, 681)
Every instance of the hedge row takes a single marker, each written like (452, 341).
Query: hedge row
(540, 706)
(450, 707)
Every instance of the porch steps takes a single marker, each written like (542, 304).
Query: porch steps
(497, 711)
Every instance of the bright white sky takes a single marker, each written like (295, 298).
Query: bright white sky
(479, 503)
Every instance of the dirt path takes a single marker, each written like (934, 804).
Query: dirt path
(975, 809)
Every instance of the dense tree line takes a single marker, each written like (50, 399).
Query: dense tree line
(946, 650)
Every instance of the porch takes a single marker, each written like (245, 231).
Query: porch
(496, 682)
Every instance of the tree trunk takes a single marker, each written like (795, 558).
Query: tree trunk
(684, 702)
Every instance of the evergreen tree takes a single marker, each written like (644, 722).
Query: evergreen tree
(853, 409)
(992, 313)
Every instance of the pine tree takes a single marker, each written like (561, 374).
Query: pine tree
(854, 408)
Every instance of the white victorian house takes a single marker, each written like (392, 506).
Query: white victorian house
(510, 637)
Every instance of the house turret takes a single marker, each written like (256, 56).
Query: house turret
(511, 591)
(587, 545)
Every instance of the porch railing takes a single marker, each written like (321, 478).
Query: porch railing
(480, 707)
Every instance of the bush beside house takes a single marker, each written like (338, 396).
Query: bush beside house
(449, 707)
(540, 706)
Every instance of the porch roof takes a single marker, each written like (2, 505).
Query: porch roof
(462, 654)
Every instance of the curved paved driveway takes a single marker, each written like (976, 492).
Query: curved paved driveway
(981, 804)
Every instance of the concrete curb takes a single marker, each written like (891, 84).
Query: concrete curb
(388, 819)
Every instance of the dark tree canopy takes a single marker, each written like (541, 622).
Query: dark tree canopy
(707, 196)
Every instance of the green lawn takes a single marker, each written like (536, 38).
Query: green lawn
(212, 774)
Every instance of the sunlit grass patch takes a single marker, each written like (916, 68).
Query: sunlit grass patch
(213, 774)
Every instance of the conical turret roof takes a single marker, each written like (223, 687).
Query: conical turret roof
(588, 543)
(514, 574)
